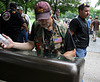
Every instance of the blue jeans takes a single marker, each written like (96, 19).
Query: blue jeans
(23, 36)
(81, 52)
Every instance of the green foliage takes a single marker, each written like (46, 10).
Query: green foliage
(94, 12)
(70, 15)
(2, 7)
(31, 13)
(63, 5)
(99, 34)
(32, 20)
(98, 3)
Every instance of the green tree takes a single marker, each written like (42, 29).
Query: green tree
(63, 5)
(2, 6)
(94, 12)
(98, 3)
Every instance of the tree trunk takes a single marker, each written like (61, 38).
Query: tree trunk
(25, 10)
(55, 6)
(26, 6)
(7, 4)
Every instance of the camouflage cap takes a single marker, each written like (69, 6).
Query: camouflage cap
(42, 10)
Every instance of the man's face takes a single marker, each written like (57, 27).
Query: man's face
(45, 23)
(84, 13)
(58, 13)
(90, 17)
(19, 11)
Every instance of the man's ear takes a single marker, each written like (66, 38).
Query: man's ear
(51, 13)
(79, 11)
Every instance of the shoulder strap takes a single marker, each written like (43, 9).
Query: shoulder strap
(61, 28)
(79, 19)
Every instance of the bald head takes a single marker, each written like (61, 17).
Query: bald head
(90, 17)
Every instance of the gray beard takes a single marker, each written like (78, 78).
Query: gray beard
(47, 26)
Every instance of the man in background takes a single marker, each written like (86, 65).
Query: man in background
(80, 31)
(95, 24)
(56, 15)
(89, 24)
(11, 22)
(23, 35)
(50, 37)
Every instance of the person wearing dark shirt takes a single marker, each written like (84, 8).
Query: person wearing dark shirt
(47, 36)
(95, 24)
(56, 15)
(11, 22)
(0, 23)
(23, 36)
(80, 31)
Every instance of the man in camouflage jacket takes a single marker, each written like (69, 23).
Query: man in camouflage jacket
(48, 36)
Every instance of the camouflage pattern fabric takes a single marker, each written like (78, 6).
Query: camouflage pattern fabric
(56, 44)
(55, 18)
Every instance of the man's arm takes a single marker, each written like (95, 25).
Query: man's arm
(65, 25)
(22, 46)
(71, 53)
(25, 26)
(70, 50)
(19, 17)
(73, 26)
(29, 23)
(72, 32)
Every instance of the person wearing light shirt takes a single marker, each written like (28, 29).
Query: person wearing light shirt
(23, 36)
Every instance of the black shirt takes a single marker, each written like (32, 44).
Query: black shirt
(81, 32)
(11, 22)
(69, 44)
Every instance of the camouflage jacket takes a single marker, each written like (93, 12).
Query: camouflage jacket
(55, 17)
(56, 44)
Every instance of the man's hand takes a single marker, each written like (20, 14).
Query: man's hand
(29, 32)
(25, 27)
(10, 45)
(70, 54)
(65, 25)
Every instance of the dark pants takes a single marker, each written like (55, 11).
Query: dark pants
(23, 36)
